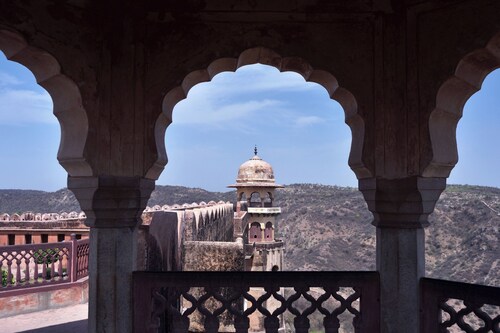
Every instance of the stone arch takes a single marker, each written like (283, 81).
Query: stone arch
(66, 97)
(255, 199)
(269, 232)
(450, 100)
(254, 232)
(268, 200)
(264, 56)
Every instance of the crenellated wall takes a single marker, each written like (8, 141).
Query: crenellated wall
(37, 228)
(166, 229)
(161, 237)
(30, 216)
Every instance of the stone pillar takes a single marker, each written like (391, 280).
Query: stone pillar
(113, 206)
(400, 208)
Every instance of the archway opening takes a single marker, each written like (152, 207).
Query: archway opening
(32, 180)
(299, 128)
(462, 241)
(292, 122)
(268, 232)
(255, 200)
(254, 233)
(30, 133)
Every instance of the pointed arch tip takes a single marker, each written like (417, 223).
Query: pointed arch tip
(451, 98)
(66, 98)
(269, 57)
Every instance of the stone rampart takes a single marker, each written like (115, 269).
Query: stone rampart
(166, 229)
(163, 232)
(213, 256)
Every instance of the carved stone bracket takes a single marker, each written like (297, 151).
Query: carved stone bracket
(112, 202)
(401, 203)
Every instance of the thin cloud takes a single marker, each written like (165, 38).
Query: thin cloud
(21, 107)
(307, 121)
(198, 111)
(254, 79)
(8, 80)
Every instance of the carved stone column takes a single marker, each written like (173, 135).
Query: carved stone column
(113, 206)
(400, 208)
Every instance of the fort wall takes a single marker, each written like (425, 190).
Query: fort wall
(43, 298)
(213, 256)
(166, 229)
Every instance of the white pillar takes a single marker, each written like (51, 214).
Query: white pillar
(113, 206)
(400, 208)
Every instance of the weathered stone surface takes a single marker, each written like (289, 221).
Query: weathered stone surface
(213, 256)
(43, 300)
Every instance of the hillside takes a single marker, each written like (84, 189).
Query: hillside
(329, 227)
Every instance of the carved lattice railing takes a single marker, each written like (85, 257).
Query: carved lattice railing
(35, 265)
(448, 306)
(82, 258)
(171, 301)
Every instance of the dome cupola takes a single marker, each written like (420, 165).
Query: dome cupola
(255, 172)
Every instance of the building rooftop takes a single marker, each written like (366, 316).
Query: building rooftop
(255, 173)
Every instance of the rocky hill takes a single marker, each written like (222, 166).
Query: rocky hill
(329, 227)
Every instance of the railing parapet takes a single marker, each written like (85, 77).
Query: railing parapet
(35, 265)
(158, 293)
(438, 312)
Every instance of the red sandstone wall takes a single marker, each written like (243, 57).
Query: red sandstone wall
(75, 293)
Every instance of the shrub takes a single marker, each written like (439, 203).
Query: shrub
(4, 278)
(46, 257)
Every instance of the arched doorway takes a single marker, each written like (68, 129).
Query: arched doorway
(254, 233)
(267, 57)
(65, 95)
(470, 201)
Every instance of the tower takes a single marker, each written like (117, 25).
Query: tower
(255, 186)
(255, 221)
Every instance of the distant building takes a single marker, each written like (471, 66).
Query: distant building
(255, 187)
(37, 228)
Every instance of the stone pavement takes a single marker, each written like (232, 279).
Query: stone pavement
(68, 319)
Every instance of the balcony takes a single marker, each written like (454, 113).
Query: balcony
(264, 210)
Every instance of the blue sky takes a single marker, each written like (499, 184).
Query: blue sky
(296, 127)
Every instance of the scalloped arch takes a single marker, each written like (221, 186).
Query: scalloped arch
(450, 100)
(65, 95)
(265, 56)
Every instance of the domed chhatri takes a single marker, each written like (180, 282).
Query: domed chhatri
(255, 173)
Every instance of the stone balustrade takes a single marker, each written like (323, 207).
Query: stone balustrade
(242, 294)
(35, 265)
(448, 306)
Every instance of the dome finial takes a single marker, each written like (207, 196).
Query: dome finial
(255, 150)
